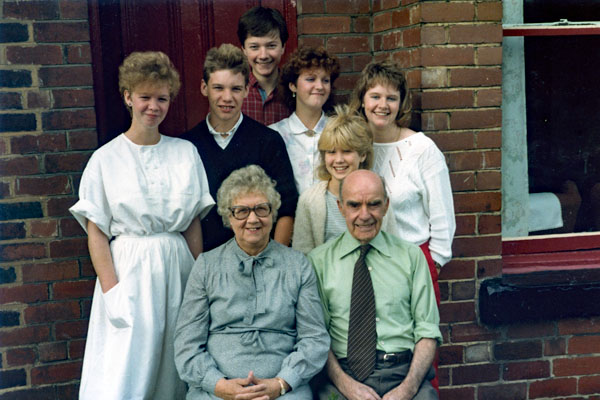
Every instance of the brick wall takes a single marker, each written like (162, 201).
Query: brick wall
(47, 133)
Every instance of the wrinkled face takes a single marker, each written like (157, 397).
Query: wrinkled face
(312, 88)
(149, 104)
(340, 162)
(226, 92)
(364, 205)
(264, 53)
(381, 103)
(251, 233)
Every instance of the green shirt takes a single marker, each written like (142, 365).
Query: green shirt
(405, 305)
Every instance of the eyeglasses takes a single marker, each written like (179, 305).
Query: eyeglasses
(242, 212)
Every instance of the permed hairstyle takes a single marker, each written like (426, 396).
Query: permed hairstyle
(346, 130)
(226, 56)
(152, 67)
(383, 73)
(261, 21)
(306, 58)
(248, 180)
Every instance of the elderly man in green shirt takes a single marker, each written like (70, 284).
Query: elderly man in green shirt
(379, 304)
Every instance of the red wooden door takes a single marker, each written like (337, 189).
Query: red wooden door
(184, 30)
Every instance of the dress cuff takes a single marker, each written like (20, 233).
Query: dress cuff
(211, 377)
(291, 377)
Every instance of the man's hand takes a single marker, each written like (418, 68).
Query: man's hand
(401, 392)
(241, 389)
(354, 390)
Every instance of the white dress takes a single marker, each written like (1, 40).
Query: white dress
(144, 196)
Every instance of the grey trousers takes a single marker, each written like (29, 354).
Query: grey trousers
(384, 378)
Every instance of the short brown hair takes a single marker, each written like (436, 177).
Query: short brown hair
(347, 130)
(383, 73)
(226, 56)
(307, 58)
(152, 67)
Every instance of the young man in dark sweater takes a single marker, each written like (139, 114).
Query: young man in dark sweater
(228, 140)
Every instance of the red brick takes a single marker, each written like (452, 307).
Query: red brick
(477, 202)
(65, 98)
(435, 77)
(37, 10)
(447, 12)
(312, 41)
(19, 166)
(433, 35)
(411, 37)
(477, 246)
(385, 4)
(69, 248)
(437, 99)
(361, 24)
(463, 181)
(489, 180)
(46, 185)
(475, 374)
(79, 54)
(434, 121)
(489, 268)
(347, 7)
(20, 356)
(26, 335)
(73, 289)
(489, 55)
(443, 375)
(454, 393)
(56, 373)
(389, 41)
(531, 330)
(70, 227)
(311, 7)
(69, 119)
(83, 140)
(382, 22)
(4, 189)
(526, 370)
(489, 97)
(490, 224)
(73, 9)
(518, 350)
(458, 269)
(61, 32)
(463, 311)
(65, 76)
(401, 18)
(51, 312)
(42, 54)
(22, 251)
(451, 354)
(589, 384)
(38, 143)
(54, 271)
(76, 349)
(465, 225)
(53, 351)
(465, 161)
(576, 366)
(434, 56)
(579, 326)
(463, 290)
(448, 141)
(12, 230)
(473, 119)
(492, 159)
(552, 388)
(71, 329)
(489, 11)
(87, 269)
(70, 162)
(316, 25)
(39, 99)
(346, 82)
(584, 345)
(43, 228)
(515, 391)
(348, 44)
(59, 207)
(360, 62)
(480, 33)
(555, 347)
(488, 76)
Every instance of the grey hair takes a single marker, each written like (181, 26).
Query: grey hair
(248, 180)
(385, 196)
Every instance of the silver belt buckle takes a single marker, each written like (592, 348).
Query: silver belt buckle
(386, 356)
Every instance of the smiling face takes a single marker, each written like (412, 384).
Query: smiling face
(381, 104)
(341, 162)
(363, 205)
(251, 233)
(149, 104)
(226, 92)
(264, 53)
(312, 89)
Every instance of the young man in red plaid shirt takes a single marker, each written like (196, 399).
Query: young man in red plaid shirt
(263, 32)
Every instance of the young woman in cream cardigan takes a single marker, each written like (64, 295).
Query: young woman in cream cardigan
(345, 145)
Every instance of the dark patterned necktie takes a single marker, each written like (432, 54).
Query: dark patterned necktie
(362, 334)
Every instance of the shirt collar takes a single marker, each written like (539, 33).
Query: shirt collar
(230, 132)
(298, 128)
(246, 262)
(349, 244)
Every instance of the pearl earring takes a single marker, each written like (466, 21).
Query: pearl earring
(293, 94)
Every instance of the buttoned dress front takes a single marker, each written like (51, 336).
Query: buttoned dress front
(143, 196)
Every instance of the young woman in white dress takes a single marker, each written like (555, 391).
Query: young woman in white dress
(146, 192)
(306, 80)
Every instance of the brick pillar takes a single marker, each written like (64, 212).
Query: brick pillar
(47, 125)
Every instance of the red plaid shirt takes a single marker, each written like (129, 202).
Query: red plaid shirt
(268, 113)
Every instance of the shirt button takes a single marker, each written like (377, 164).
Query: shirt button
(370, 268)
(377, 319)
(382, 342)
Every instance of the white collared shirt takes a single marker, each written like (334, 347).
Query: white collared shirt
(223, 141)
(302, 147)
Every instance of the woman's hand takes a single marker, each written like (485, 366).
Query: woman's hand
(242, 388)
(101, 257)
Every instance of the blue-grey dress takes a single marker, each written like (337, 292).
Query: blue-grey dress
(242, 313)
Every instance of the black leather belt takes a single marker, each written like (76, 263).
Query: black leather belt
(394, 358)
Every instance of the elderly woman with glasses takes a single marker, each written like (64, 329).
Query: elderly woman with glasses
(251, 321)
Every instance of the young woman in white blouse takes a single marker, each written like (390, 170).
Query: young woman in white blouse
(413, 168)
(306, 79)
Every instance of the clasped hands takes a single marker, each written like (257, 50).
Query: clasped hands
(248, 388)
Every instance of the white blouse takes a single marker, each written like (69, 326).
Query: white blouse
(418, 184)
